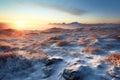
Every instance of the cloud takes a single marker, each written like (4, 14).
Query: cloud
(62, 6)
(69, 10)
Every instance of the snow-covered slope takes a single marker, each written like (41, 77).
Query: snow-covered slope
(62, 54)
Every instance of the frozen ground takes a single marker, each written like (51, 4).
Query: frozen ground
(61, 54)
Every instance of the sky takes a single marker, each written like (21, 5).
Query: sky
(41, 12)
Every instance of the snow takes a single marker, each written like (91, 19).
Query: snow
(68, 58)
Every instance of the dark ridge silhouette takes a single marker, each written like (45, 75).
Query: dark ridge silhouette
(5, 25)
(11, 32)
(84, 24)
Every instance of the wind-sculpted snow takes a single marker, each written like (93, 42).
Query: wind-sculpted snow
(87, 53)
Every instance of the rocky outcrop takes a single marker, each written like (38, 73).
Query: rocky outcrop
(76, 72)
(50, 61)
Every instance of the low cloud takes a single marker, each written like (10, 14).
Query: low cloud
(5, 26)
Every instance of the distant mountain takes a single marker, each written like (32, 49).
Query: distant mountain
(77, 24)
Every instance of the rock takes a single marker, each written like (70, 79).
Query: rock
(114, 72)
(55, 38)
(51, 61)
(116, 37)
(76, 72)
(62, 43)
(8, 48)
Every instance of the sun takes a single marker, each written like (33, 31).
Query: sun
(20, 25)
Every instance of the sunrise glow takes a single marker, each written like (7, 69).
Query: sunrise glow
(20, 25)
(42, 12)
